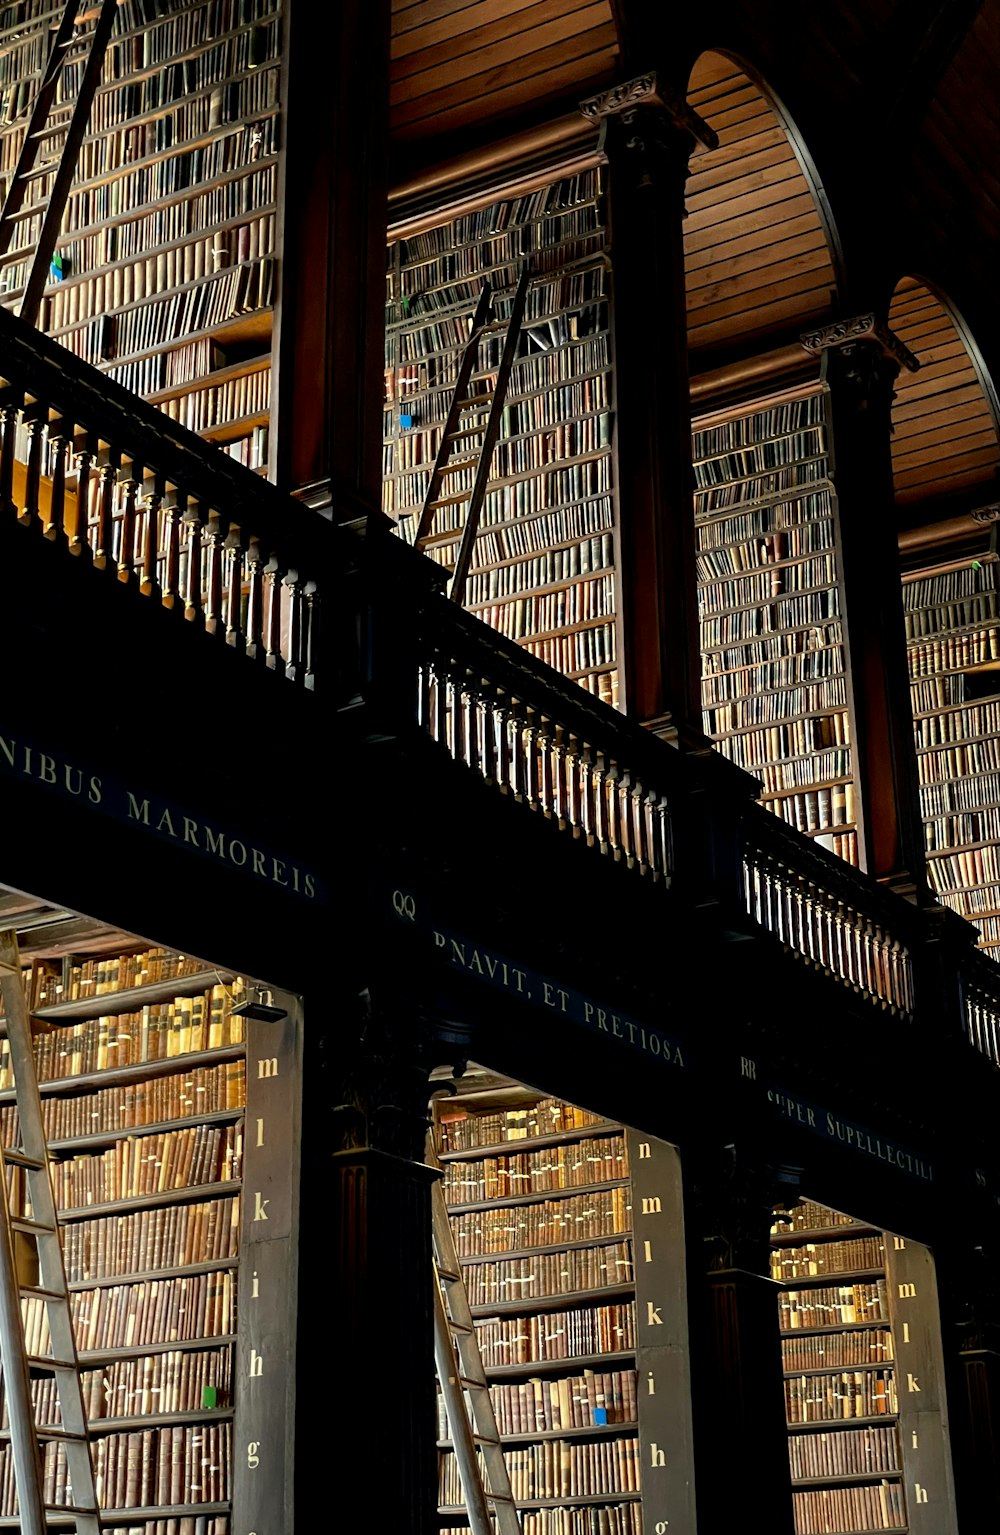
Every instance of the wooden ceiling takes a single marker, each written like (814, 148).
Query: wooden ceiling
(757, 255)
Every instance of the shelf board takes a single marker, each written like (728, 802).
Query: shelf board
(839, 1369)
(828, 1327)
(223, 375)
(240, 426)
(100, 1356)
(848, 1479)
(511, 1200)
(151, 1419)
(143, 1276)
(530, 1142)
(531, 1304)
(112, 1137)
(141, 1071)
(581, 1497)
(185, 1195)
(835, 1425)
(575, 1362)
(253, 326)
(834, 1279)
(566, 583)
(110, 1003)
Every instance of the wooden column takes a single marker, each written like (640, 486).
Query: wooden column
(970, 1312)
(327, 406)
(741, 1441)
(647, 137)
(861, 361)
(366, 1356)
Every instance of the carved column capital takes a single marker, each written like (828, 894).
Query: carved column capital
(736, 1200)
(629, 96)
(655, 128)
(863, 356)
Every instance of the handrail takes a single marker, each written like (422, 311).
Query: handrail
(110, 479)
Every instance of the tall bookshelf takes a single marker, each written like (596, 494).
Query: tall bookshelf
(142, 1066)
(543, 569)
(774, 674)
(540, 1206)
(953, 649)
(167, 277)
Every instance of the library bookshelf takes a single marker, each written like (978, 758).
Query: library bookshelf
(539, 1199)
(142, 1069)
(774, 673)
(544, 565)
(163, 274)
(953, 650)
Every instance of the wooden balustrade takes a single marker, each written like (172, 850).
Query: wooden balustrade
(981, 1000)
(826, 913)
(111, 481)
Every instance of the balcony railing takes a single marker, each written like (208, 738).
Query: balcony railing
(112, 481)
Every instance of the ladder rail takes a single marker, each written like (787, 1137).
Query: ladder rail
(454, 1401)
(479, 319)
(62, 1360)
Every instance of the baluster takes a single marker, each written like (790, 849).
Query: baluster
(131, 486)
(232, 558)
(516, 751)
(83, 461)
(152, 497)
(193, 520)
(170, 561)
(255, 601)
(211, 539)
(107, 476)
(488, 727)
(574, 771)
(530, 739)
(620, 780)
(311, 613)
(558, 770)
(460, 723)
(636, 813)
(599, 778)
(440, 718)
(546, 794)
(8, 453)
(587, 818)
(293, 603)
(60, 443)
(273, 588)
(501, 725)
(662, 840)
(30, 513)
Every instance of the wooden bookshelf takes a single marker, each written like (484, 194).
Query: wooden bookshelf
(154, 1225)
(544, 566)
(167, 239)
(774, 669)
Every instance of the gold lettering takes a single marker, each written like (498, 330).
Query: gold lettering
(258, 862)
(166, 823)
(913, 1439)
(907, 1291)
(650, 1384)
(190, 830)
(253, 1459)
(255, 1292)
(278, 865)
(260, 1132)
(267, 1067)
(647, 1248)
(652, 1206)
(234, 843)
(653, 1316)
(46, 768)
(898, 1243)
(9, 750)
(645, 1150)
(912, 1384)
(919, 1493)
(657, 1458)
(259, 1213)
(748, 1068)
(256, 1363)
(215, 843)
(906, 1332)
(136, 811)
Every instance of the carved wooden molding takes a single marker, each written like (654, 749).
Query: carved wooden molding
(861, 327)
(644, 90)
(986, 513)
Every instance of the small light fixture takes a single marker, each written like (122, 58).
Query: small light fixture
(260, 1006)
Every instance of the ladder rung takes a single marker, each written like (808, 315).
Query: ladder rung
(51, 1432)
(459, 1327)
(459, 463)
(447, 1277)
(22, 1223)
(45, 1362)
(15, 1158)
(448, 500)
(473, 401)
(34, 1292)
(62, 1510)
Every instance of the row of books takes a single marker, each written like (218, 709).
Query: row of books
(202, 306)
(201, 409)
(188, 1524)
(556, 314)
(749, 710)
(120, 972)
(424, 385)
(608, 1519)
(573, 653)
(121, 286)
(563, 1273)
(965, 867)
(869, 1345)
(160, 1467)
(180, 1380)
(131, 1105)
(879, 1507)
(569, 1401)
(835, 1257)
(596, 1160)
(785, 484)
(556, 1334)
(207, 212)
(737, 626)
(553, 485)
(976, 723)
(140, 1241)
(935, 593)
(561, 564)
(481, 223)
(412, 456)
(544, 531)
(831, 1306)
(219, 16)
(747, 539)
(251, 450)
(805, 575)
(843, 844)
(799, 772)
(761, 550)
(929, 694)
(556, 1468)
(739, 429)
(751, 461)
(157, 1032)
(807, 738)
(855, 1452)
(521, 617)
(603, 685)
(815, 809)
(576, 1217)
(849, 1394)
(154, 1311)
(461, 1131)
(951, 831)
(413, 275)
(807, 1215)
(149, 1164)
(953, 652)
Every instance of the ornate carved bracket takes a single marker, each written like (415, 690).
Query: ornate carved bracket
(644, 91)
(986, 514)
(737, 1200)
(861, 327)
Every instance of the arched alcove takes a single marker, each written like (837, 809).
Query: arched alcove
(760, 251)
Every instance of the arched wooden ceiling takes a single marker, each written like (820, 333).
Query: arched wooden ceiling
(456, 63)
(944, 429)
(757, 253)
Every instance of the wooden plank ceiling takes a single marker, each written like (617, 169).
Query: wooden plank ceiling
(459, 63)
(756, 251)
(944, 428)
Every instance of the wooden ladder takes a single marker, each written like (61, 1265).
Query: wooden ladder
(52, 144)
(41, 1229)
(471, 1418)
(472, 428)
